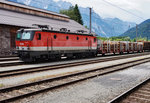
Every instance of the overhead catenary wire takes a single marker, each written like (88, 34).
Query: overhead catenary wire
(123, 9)
(56, 7)
(49, 4)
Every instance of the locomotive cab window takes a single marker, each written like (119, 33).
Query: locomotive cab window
(38, 36)
(25, 35)
(77, 38)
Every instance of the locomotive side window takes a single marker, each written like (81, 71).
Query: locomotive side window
(86, 38)
(94, 39)
(77, 38)
(18, 36)
(55, 36)
(38, 36)
(67, 37)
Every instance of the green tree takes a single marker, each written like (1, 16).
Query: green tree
(78, 17)
(69, 12)
(73, 13)
(86, 26)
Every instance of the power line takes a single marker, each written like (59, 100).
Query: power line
(123, 9)
(49, 4)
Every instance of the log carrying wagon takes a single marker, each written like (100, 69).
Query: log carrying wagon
(146, 46)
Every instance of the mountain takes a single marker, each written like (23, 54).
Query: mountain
(143, 30)
(119, 26)
(99, 26)
(106, 27)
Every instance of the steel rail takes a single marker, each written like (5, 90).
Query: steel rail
(9, 59)
(8, 56)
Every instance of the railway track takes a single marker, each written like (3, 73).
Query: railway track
(4, 64)
(16, 72)
(138, 94)
(9, 59)
(8, 56)
(24, 90)
(11, 62)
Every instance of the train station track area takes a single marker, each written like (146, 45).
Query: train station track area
(27, 85)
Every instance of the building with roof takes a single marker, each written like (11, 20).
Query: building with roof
(14, 16)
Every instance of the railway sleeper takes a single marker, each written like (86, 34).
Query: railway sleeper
(138, 99)
(141, 95)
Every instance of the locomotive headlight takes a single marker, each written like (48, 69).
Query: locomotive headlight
(28, 48)
(17, 48)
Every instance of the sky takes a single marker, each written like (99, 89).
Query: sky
(127, 10)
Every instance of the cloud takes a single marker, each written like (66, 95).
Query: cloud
(138, 7)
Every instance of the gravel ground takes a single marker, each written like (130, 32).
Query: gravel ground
(51, 73)
(97, 90)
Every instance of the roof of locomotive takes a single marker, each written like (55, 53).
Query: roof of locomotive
(54, 31)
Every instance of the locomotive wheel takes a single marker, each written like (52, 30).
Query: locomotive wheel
(94, 54)
(78, 56)
(57, 57)
(28, 60)
(121, 53)
(70, 58)
(103, 54)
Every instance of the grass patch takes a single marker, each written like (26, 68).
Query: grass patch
(46, 77)
(41, 78)
(1, 85)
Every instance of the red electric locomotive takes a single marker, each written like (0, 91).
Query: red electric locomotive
(32, 44)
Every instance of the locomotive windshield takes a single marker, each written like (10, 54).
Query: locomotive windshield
(25, 35)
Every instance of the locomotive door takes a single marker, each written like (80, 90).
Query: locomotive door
(49, 43)
(89, 44)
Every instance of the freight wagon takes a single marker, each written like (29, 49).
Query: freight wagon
(119, 47)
